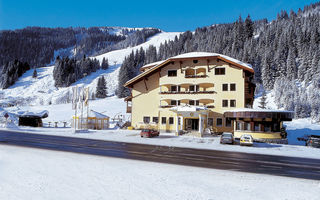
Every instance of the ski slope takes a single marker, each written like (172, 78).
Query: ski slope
(41, 91)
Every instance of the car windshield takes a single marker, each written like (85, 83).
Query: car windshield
(227, 136)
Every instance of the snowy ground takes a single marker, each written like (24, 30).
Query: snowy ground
(28, 173)
(113, 107)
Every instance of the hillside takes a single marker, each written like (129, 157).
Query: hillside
(41, 91)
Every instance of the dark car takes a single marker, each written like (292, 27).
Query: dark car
(149, 133)
(226, 138)
(313, 141)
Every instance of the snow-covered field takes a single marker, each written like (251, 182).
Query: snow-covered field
(28, 173)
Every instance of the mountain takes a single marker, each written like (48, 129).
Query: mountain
(42, 90)
(284, 53)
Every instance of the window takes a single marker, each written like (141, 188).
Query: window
(239, 126)
(175, 103)
(233, 103)
(163, 120)
(232, 87)
(256, 126)
(228, 122)
(191, 88)
(224, 87)
(195, 61)
(224, 103)
(155, 119)
(173, 88)
(267, 128)
(219, 121)
(170, 120)
(172, 73)
(210, 121)
(146, 120)
(194, 102)
(247, 126)
(219, 71)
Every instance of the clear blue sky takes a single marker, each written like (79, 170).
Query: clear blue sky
(168, 15)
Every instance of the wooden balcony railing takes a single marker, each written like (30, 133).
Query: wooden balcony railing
(188, 92)
(129, 109)
(195, 76)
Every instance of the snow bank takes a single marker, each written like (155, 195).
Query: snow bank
(28, 173)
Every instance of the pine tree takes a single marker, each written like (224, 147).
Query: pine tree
(104, 64)
(35, 74)
(248, 27)
(101, 90)
(263, 100)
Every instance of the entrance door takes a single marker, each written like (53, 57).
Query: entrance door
(192, 124)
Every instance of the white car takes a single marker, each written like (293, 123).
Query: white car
(246, 140)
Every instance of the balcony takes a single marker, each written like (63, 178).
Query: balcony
(188, 92)
(195, 73)
(169, 103)
(195, 76)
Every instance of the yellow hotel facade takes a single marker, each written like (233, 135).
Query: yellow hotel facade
(190, 92)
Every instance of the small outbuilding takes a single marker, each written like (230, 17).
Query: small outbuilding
(33, 119)
(262, 124)
(94, 120)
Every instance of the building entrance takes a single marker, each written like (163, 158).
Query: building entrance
(192, 124)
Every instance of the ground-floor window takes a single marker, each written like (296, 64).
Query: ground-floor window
(259, 126)
(170, 120)
(228, 122)
(219, 121)
(247, 126)
(239, 126)
(155, 119)
(210, 121)
(163, 120)
(146, 120)
(256, 126)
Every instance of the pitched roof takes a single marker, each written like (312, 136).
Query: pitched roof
(189, 56)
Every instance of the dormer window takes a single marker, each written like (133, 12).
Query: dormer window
(172, 73)
(195, 61)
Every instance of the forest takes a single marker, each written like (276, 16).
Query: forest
(284, 53)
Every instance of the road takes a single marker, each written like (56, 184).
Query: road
(244, 162)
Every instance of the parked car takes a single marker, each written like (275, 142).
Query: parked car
(226, 138)
(246, 140)
(313, 141)
(149, 133)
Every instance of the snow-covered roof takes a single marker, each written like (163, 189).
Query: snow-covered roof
(42, 114)
(207, 54)
(95, 114)
(152, 64)
(188, 108)
(258, 110)
(191, 55)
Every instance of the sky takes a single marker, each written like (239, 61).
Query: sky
(168, 15)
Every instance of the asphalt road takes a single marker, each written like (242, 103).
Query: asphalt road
(254, 163)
